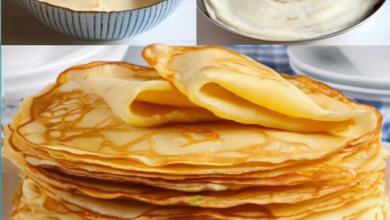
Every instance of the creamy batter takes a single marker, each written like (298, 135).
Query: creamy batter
(288, 19)
(101, 5)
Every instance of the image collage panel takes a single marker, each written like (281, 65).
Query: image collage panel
(195, 109)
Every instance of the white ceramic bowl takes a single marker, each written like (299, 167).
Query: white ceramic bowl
(100, 25)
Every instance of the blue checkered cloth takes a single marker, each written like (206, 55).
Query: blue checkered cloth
(272, 56)
(276, 57)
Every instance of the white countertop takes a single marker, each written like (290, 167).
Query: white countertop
(21, 28)
(375, 31)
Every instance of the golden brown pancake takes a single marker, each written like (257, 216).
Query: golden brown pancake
(58, 203)
(78, 123)
(189, 141)
(346, 165)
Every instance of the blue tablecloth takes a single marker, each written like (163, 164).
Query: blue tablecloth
(273, 56)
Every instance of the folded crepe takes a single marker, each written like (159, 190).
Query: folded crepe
(289, 19)
(138, 95)
(76, 124)
(235, 87)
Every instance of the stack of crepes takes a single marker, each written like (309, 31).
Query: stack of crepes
(206, 134)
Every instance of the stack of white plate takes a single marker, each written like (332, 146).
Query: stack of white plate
(28, 69)
(361, 73)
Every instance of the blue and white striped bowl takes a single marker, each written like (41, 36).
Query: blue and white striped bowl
(100, 25)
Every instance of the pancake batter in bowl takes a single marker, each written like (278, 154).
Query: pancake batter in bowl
(102, 5)
(288, 19)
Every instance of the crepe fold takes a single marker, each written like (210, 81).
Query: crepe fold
(79, 125)
(138, 95)
(194, 138)
(237, 88)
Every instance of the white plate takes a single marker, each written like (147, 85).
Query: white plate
(21, 77)
(365, 59)
(351, 91)
(329, 64)
(19, 61)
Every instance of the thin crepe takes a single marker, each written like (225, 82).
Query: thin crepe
(56, 202)
(227, 198)
(138, 95)
(89, 127)
(235, 87)
(208, 199)
(343, 165)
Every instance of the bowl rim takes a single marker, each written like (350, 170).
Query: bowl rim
(136, 9)
(202, 8)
